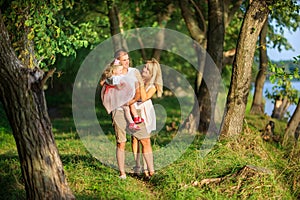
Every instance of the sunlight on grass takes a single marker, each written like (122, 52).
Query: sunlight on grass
(90, 179)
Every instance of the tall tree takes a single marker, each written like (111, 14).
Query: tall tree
(30, 37)
(290, 139)
(163, 18)
(215, 45)
(22, 95)
(257, 103)
(253, 22)
(212, 39)
(116, 25)
(284, 13)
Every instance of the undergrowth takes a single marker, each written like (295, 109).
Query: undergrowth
(276, 177)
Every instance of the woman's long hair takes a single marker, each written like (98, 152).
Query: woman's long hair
(156, 75)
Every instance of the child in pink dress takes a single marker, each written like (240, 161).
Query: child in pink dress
(117, 91)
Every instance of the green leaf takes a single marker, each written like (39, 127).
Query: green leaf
(85, 43)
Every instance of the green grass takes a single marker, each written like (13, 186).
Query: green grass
(90, 179)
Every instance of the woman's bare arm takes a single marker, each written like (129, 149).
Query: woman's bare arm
(136, 97)
(147, 95)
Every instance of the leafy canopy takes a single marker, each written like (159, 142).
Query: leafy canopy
(49, 28)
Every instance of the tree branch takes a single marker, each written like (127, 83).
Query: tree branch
(48, 75)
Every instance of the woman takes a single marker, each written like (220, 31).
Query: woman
(119, 122)
(150, 84)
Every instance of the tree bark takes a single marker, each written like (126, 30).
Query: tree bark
(23, 99)
(254, 20)
(163, 18)
(208, 92)
(280, 107)
(192, 25)
(199, 36)
(114, 20)
(290, 138)
(258, 104)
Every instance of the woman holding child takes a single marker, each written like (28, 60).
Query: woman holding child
(145, 87)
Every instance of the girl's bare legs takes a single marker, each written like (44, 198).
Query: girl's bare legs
(135, 115)
(133, 110)
(129, 119)
(127, 114)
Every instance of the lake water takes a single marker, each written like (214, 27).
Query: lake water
(269, 105)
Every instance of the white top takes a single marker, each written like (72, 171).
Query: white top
(148, 112)
(114, 97)
(114, 80)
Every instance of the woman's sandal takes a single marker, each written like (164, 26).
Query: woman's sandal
(148, 175)
(136, 171)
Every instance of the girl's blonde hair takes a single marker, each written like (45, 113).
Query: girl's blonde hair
(156, 75)
(108, 72)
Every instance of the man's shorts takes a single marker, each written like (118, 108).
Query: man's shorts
(121, 127)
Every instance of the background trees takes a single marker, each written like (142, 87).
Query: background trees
(44, 35)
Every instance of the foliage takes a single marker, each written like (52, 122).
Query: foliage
(283, 87)
(51, 28)
(233, 30)
(284, 14)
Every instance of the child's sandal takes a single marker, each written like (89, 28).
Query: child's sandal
(138, 120)
(134, 127)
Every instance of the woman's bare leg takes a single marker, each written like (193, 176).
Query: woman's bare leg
(148, 155)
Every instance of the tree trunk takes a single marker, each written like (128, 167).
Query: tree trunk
(254, 20)
(199, 36)
(230, 8)
(23, 99)
(114, 20)
(163, 18)
(290, 137)
(208, 92)
(280, 107)
(192, 25)
(258, 104)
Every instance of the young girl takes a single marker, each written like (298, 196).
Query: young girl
(117, 91)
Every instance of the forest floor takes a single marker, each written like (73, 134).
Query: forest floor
(245, 167)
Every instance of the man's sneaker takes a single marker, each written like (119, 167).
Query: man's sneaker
(122, 176)
(138, 120)
(134, 127)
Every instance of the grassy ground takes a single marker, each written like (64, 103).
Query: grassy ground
(268, 174)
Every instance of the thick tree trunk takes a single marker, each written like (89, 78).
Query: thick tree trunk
(258, 104)
(208, 92)
(254, 20)
(290, 137)
(280, 107)
(23, 98)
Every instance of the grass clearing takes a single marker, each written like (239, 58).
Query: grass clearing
(90, 179)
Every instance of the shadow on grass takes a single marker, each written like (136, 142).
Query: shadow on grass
(12, 183)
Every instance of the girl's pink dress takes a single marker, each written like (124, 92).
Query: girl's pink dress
(113, 97)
